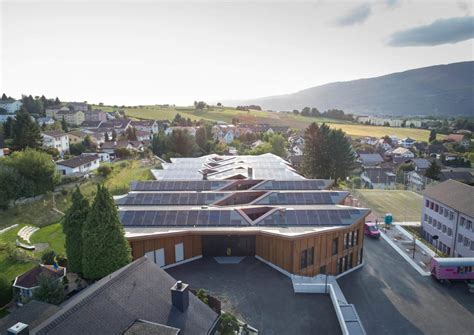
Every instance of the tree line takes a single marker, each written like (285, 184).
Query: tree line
(336, 114)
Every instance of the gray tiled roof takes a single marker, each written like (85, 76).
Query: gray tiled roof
(371, 159)
(454, 194)
(32, 313)
(140, 290)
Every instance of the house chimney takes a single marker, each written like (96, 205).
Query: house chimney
(250, 172)
(19, 329)
(180, 296)
(204, 175)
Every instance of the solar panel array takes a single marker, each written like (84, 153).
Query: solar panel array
(308, 184)
(170, 198)
(232, 218)
(176, 218)
(302, 198)
(179, 185)
(336, 217)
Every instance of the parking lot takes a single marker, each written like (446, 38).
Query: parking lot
(393, 298)
(261, 296)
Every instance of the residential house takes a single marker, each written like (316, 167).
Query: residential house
(77, 136)
(95, 115)
(224, 133)
(370, 159)
(139, 298)
(297, 150)
(104, 156)
(436, 150)
(407, 142)
(52, 111)
(296, 139)
(378, 178)
(460, 176)
(72, 117)
(420, 164)
(47, 121)
(11, 106)
(401, 152)
(78, 106)
(148, 126)
(25, 284)
(460, 139)
(420, 147)
(56, 139)
(277, 130)
(91, 124)
(448, 213)
(120, 126)
(190, 130)
(369, 140)
(143, 135)
(137, 146)
(78, 165)
(383, 144)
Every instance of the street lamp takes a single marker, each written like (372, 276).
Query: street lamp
(436, 237)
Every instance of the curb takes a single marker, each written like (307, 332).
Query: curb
(405, 256)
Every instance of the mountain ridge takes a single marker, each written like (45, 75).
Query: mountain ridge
(446, 89)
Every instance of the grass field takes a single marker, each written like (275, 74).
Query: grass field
(278, 119)
(404, 205)
(40, 214)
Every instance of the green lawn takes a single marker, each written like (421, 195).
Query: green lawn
(40, 214)
(404, 205)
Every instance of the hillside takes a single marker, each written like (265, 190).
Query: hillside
(446, 90)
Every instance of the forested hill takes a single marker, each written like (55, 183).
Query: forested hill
(436, 90)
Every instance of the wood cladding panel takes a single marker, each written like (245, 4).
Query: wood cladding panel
(282, 251)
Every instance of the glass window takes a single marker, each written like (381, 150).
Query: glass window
(444, 228)
(430, 219)
(439, 225)
(335, 243)
(446, 212)
(466, 241)
(468, 224)
(310, 256)
(427, 203)
(451, 215)
(450, 232)
(322, 269)
(460, 238)
(426, 218)
(462, 221)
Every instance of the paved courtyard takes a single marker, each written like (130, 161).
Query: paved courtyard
(261, 296)
(393, 298)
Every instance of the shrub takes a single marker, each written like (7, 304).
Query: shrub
(48, 257)
(202, 295)
(49, 290)
(228, 324)
(104, 170)
(64, 192)
(6, 290)
(17, 255)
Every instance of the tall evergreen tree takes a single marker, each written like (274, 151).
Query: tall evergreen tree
(25, 132)
(433, 171)
(105, 248)
(74, 220)
(64, 126)
(340, 155)
(432, 136)
(312, 154)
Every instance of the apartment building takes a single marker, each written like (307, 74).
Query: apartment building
(448, 213)
(56, 139)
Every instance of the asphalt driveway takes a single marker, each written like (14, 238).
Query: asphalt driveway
(261, 296)
(393, 298)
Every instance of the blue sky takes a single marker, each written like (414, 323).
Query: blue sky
(144, 52)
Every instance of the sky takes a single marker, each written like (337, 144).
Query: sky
(156, 52)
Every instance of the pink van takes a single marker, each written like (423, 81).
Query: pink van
(371, 230)
(458, 268)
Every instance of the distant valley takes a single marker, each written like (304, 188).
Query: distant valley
(446, 90)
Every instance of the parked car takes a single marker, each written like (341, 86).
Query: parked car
(371, 229)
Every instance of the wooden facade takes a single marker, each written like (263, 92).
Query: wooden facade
(283, 251)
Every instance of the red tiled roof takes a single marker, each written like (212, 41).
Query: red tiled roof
(30, 278)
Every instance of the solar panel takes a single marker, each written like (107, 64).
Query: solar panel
(181, 185)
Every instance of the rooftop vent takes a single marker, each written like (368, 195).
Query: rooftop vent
(19, 329)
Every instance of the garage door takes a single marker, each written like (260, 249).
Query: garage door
(228, 245)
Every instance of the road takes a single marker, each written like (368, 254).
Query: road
(393, 298)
